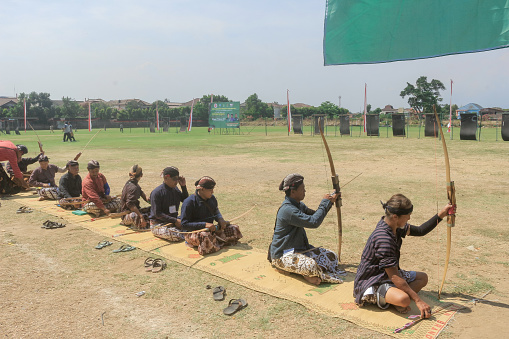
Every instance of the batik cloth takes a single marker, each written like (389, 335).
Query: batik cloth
(113, 206)
(167, 232)
(207, 242)
(50, 193)
(134, 221)
(319, 262)
(70, 203)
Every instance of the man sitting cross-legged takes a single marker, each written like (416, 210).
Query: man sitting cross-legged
(44, 177)
(130, 201)
(94, 190)
(199, 211)
(165, 200)
(290, 250)
(69, 186)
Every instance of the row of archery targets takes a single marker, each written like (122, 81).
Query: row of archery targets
(470, 127)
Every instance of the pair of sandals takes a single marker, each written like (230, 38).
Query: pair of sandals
(24, 209)
(51, 224)
(154, 265)
(103, 243)
(234, 305)
(124, 248)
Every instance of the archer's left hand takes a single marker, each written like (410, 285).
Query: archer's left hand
(445, 211)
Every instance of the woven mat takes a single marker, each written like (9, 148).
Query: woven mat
(249, 267)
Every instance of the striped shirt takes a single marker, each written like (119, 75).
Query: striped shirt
(383, 251)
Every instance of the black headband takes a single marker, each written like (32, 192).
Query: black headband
(397, 211)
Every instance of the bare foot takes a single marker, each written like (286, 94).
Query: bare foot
(42, 198)
(402, 309)
(313, 280)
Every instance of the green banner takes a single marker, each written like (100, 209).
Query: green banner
(374, 31)
(224, 114)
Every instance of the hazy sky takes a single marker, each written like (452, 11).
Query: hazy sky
(178, 49)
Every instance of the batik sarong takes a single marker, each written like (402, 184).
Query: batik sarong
(167, 232)
(71, 203)
(134, 221)
(50, 193)
(113, 206)
(319, 262)
(207, 242)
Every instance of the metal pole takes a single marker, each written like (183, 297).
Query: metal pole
(496, 127)
(480, 126)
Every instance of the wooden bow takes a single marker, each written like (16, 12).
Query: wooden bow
(451, 195)
(39, 139)
(337, 189)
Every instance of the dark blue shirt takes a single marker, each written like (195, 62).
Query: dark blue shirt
(291, 220)
(195, 213)
(165, 202)
(69, 186)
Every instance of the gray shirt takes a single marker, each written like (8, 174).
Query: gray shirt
(292, 219)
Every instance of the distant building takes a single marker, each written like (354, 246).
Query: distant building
(388, 109)
(468, 108)
(7, 103)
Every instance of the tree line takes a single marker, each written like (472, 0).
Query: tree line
(421, 97)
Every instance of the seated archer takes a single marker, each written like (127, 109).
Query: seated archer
(199, 211)
(290, 250)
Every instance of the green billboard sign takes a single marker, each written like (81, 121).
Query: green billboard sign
(224, 114)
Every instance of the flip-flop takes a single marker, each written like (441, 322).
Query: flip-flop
(24, 209)
(148, 264)
(235, 305)
(48, 224)
(103, 243)
(219, 293)
(123, 248)
(128, 248)
(158, 265)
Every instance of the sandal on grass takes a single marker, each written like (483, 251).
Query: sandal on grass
(148, 264)
(103, 243)
(124, 248)
(48, 224)
(235, 305)
(218, 293)
(24, 209)
(158, 265)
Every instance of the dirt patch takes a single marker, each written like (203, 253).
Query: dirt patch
(54, 283)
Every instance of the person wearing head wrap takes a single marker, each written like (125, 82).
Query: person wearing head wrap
(379, 279)
(43, 177)
(9, 152)
(24, 162)
(290, 250)
(165, 201)
(130, 201)
(70, 183)
(199, 211)
(93, 190)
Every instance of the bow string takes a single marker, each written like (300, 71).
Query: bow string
(337, 188)
(451, 195)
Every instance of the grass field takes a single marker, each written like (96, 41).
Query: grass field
(248, 168)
